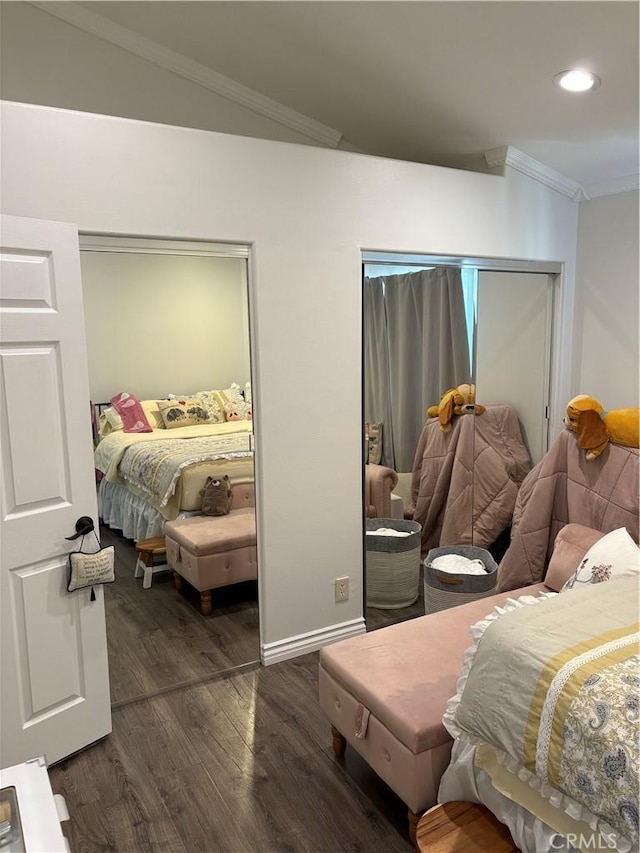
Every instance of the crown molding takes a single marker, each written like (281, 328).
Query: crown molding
(178, 64)
(625, 184)
(521, 162)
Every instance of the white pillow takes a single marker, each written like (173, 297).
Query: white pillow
(613, 556)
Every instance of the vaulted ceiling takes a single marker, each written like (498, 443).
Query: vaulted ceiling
(433, 82)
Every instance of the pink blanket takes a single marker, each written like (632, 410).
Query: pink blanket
(465, 481)
(562, 488)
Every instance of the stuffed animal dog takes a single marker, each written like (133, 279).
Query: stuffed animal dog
(456, 401)
(595, 428)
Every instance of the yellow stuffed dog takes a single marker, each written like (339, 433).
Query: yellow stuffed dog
(456, 401)
(595, 428)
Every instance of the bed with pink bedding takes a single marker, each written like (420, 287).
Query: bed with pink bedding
(565, 487)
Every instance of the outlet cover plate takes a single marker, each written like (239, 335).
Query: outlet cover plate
(341, 589)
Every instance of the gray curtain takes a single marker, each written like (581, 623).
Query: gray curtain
(426, 351)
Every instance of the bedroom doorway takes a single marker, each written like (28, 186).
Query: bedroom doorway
(169, 321)
(431, 323)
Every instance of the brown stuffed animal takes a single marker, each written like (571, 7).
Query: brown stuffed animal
(595, 428)
(216, 496)
(456, 401)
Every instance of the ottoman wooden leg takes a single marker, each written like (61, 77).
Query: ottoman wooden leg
(339, 742)
(205, 602)
(177, 581)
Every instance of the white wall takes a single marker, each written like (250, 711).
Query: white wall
(164, 324)
(307, 213)
(44, 60)
(606, 354)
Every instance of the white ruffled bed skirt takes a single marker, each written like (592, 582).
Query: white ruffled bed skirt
(462, 781)
(129, 513)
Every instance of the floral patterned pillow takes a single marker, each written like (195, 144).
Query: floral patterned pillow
(212, 404)
(226, 402)
(613, 556)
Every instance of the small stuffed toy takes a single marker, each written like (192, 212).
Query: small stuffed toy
(456, 401)
(232, 411)
(595, 428)
(216, 496)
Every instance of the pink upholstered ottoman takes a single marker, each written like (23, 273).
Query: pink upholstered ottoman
(214, 551)
(385, 692)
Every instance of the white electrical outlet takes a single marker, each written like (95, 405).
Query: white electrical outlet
(341, 586)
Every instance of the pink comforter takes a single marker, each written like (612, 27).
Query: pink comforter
(465, 481)
(564, 487)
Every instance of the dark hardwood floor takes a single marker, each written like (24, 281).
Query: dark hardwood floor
(204, 759)
(239, 764)
(158, 638)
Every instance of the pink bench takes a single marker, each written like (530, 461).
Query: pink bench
(214, 551)
(385, 692)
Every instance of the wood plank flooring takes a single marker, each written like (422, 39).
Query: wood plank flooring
(240, 764)
(158, 637)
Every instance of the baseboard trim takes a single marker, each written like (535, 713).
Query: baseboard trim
(301, 644)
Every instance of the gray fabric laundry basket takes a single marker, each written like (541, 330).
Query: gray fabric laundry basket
(446, 589)
(393, 564)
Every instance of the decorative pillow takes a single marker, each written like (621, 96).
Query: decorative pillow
(91, 569)
(131, 412)
(613, 556)
(374, 434)
(185, 412)
(235, 410)
(110, 420)
(211, 403)
(227, 404)
(569, 550)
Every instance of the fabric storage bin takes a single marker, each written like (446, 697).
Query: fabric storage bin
(447, 589)
(393, 564)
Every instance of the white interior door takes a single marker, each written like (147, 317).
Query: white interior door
(54, 698)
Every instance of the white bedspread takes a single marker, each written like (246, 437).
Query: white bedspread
(152, 463)
(111, 449)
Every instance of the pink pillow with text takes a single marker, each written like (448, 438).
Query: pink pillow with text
(131, 412)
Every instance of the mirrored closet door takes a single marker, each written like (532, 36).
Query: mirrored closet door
(168, 336)
(431, 324)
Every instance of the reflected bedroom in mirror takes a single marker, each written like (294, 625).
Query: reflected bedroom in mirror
(456, 364)
(168, 345)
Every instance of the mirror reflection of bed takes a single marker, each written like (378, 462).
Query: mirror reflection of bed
(432, 324)
(167, 321)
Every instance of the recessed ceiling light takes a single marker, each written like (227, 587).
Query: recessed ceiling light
(576, 80)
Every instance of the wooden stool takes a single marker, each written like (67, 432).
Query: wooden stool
(460, 827)
(147, 550)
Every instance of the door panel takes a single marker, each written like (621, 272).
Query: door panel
(55, 691)
(513, 349)
(33, 480)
